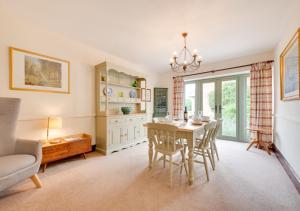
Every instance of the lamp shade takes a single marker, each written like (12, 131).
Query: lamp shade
(54, 122)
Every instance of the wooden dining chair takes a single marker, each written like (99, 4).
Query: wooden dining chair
(202, 147)
(213, 146)
(164, 138)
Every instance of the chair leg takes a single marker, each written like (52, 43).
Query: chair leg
(210, 158)
(35, 179)
(171, 170)
(212, 154)
(183, 162)
(155, 158)
(182, 155)
(205, 165)
(216, 150)
(164, 161)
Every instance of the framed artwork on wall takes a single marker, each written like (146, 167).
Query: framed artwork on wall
(290, 69)
(148, 95)
(31, 71)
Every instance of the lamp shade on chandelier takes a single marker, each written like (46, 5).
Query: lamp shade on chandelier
(185, 60)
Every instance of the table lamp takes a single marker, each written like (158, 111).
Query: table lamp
(53, 123)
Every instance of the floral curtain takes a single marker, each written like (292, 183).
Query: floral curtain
(261, 99)
(178, 96)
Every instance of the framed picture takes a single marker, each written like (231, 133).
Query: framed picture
(290, 69)
(148, 95)
(36, 72)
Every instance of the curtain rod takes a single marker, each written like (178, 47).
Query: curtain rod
(218, 70)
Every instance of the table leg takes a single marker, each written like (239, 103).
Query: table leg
(150, 152)
(190, 143)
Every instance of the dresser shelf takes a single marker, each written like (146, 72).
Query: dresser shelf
(121, 85)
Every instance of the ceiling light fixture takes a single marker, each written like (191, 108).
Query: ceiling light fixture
(185, 60)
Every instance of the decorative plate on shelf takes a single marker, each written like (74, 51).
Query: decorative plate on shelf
(132, 94)
(109, 91)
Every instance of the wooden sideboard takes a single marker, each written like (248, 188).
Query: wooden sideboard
(67, 147)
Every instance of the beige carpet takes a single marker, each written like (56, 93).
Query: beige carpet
(242, 181)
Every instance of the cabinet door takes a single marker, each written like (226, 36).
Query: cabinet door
(124, 135)
(116, 136)
(142, 131)
(131, 133)
(136, 132)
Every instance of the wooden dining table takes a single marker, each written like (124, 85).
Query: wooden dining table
(186, 131)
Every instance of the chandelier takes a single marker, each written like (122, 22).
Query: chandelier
(185, 60)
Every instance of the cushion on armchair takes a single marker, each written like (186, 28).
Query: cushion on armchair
(14, 163)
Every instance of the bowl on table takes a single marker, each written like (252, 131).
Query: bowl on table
(205, 118)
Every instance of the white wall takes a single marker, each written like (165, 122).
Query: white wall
(77, 108)
(287, 113)
(166, 79)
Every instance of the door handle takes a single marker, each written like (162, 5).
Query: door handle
(220, 109)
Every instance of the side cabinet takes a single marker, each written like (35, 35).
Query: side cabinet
(124, 131)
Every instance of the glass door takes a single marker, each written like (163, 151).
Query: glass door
(228, 111)
(209, 99)
(226, 98)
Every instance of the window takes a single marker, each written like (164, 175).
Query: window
(189, 101)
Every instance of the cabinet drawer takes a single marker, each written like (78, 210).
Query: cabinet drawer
(116, 122)
(79, 147)
(55, 153)
(130, 120)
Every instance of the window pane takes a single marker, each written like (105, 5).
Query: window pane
(228, 109)
(190, 98)
(208, 102)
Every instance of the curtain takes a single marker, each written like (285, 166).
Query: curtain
(261, 99)
(178, 96)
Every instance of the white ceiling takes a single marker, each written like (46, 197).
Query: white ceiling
(146, 32)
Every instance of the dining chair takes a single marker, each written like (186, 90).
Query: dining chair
(213, 146)
(164, 138)
(202, 147)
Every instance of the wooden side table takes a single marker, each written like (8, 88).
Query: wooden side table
(259, 143)
(66, 147)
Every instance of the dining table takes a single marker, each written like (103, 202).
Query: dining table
(187, 131)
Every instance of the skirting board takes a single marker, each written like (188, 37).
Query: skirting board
(288, 169)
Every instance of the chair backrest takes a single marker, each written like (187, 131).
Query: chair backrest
(217, 128)
(162, 134)
(207, 135)
(9, 110)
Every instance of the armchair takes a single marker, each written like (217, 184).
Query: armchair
(19, 159)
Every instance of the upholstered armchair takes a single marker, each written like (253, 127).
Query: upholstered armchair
(19, 159)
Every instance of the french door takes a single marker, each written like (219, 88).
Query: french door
(226, 98)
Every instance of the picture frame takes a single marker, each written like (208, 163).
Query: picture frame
(148, 95)
(290, 69)
(30, 71)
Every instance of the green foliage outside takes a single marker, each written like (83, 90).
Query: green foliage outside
(229, 107)
(188, 104)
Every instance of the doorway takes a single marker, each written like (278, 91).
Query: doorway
(227, 98)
